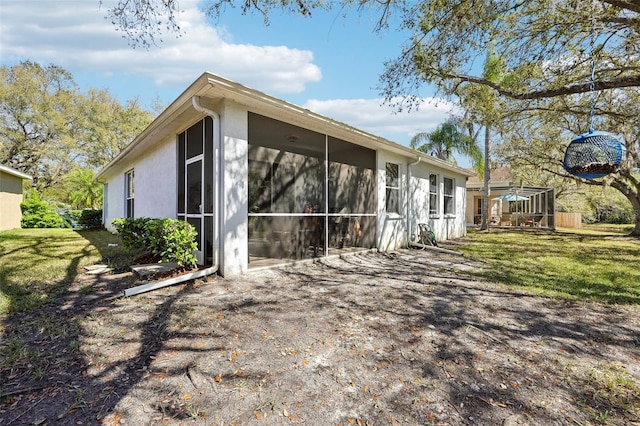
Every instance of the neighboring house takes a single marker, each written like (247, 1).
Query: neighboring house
(267, 182)
(10, 197)
(511, 204)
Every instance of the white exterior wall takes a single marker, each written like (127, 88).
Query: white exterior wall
(155, 185)
(396, 230)
(113, 203)
(391, 228)
(444, 226)
(419, 202)
(234, 253)
(156, 192)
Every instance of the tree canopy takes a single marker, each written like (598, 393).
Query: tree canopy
(535, 94)
(57, 134)
(446, 139)
(544, 43)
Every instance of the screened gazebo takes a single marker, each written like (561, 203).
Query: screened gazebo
(510, 204)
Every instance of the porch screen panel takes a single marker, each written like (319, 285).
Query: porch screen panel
(352, 195)
(351, 183)
(208, 183)
(194, 185)
(208, 239)
(286, 189)
(197, 224)
(196, 182)
(194, 140)
(286, 237)
(181, 159)
(288, 161)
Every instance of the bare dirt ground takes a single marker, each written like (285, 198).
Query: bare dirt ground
(408, 337)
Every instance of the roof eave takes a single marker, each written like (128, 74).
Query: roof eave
(217, 87)
(252, 97)
(158, 124)
(13, 172)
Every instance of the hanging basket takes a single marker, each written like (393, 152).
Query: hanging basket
(594, 155)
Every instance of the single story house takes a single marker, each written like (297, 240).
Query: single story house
(266, 182)
(10, 197)
(512, 204)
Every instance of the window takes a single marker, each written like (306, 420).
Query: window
(128, 191)
(393, 188)
(433, 194)
(449, 199)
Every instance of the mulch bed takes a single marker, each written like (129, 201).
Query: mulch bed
(403, 338)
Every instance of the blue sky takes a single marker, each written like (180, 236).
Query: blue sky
(327, 63)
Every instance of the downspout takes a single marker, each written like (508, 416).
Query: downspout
(409, 198)
(217, 138)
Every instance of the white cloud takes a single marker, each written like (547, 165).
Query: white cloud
(75, 35)
(372, 116)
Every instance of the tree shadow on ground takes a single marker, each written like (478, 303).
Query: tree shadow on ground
(43, 356)
(403, 337)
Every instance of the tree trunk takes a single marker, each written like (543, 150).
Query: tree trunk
(636, 210)
(486, 197)
(630, 188)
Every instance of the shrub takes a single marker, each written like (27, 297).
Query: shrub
(171, 239)
(37, 213)
(133, 232)
(618, 214)
(88, 218)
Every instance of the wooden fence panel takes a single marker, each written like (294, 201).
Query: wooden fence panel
(569, 220)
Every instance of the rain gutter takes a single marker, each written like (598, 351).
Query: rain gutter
(217, 138)
(409, 234)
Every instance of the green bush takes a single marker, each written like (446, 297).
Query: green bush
(85, 218)
(618, 214)
(133, 232)
(37, 213)
(170, 239)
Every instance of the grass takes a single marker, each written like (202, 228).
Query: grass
(608, 228)
(37, 265)
(607, 387)
(581, 264)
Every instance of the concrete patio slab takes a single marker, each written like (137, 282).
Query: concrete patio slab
(148, 269)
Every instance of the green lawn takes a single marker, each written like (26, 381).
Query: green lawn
(578, 264)
(37, 265)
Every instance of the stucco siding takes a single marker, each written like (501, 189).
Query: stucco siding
(113, 204)
(153, 156)
(234, 257)
(10, 199)
(155, 182)
(392, 230)
(419, 202)
(396, 230)
(155, 185)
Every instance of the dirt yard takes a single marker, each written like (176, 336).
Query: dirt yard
(371, 339)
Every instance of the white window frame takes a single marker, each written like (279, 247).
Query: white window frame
(129, 194)
(449, 197)
(434, 195)
(393, 187)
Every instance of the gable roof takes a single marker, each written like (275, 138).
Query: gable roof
(499, 175)
(13, 172)
(214, 89)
